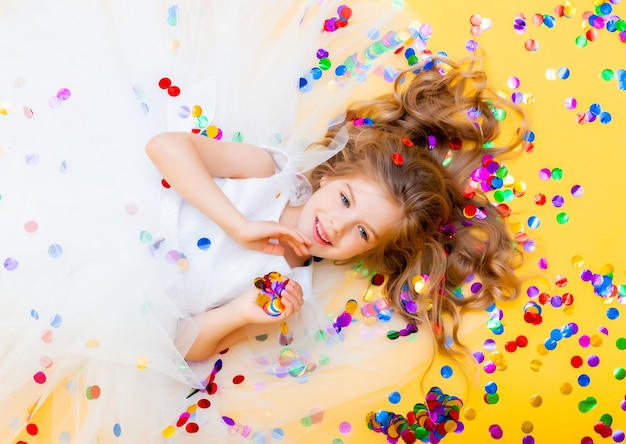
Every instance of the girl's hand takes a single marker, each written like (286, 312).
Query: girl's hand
(246, 305)
(258, 236)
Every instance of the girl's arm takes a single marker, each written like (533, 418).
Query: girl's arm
(223, 326)
(188, 162)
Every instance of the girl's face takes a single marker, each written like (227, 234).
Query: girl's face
(346, 217)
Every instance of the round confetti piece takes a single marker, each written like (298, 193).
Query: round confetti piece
(536, 400)
(571, 103)
(184, 112)
(584, 380)
(577, 191)
(593, 360)
(540, 199)
(32, 429)
(165, 83)
(531, 45)
(238, 379)
(563, 73)
(345, 427)
(203, 243)
(192, 427)
(10, 264)
(551, 74)
(45, 361)
(446, 371)
(496, 431)
(605, 117)
(566, 388)
(40, 377)
(533, 222)
(527, 427)
(117, 430)
(278, 434)
(607, 74)
(92, 392)
(204, 403)
(558, 201)
(562, 218)
(513, 82)
(612, 313)
(545, 174)
(142, 362)
(469, 414)
(55, 251)
(63, 94)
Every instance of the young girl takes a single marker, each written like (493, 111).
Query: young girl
(118, 297)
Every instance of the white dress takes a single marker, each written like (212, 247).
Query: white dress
(102, 265)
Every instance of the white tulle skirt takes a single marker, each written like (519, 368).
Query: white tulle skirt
(87, 352)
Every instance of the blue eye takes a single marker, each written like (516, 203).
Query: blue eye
(364, 234)
(345, 200)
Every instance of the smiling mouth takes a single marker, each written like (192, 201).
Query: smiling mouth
(320, 232)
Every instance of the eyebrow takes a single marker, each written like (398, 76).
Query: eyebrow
(352, 198)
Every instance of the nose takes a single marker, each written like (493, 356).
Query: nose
(338, 225)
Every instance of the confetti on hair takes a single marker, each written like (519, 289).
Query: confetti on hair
(362, 121)
(397, 158)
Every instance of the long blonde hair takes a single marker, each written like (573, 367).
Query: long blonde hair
(440, 113)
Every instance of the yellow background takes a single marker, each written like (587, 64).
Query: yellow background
(590, 155)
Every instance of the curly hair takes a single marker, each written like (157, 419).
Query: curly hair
(421, 143)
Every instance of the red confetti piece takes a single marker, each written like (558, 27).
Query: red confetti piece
(407, 141)
(238, 379)
(456, 143)
(32, 429)
(211, 388)
(165, 184)
(567, 299)
(378, 279)
(504, 209)
(182, 420)
(469, 192)
(204, 403)
(533, 318)
(173, 91)
(397, 158)
(576, 361)
(165, 83)
(510, 346)
(470, 210)
(344, 12)
(192, 427)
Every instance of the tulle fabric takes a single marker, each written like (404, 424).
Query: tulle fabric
(89, 351)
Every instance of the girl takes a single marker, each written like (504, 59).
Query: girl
(118, 297)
